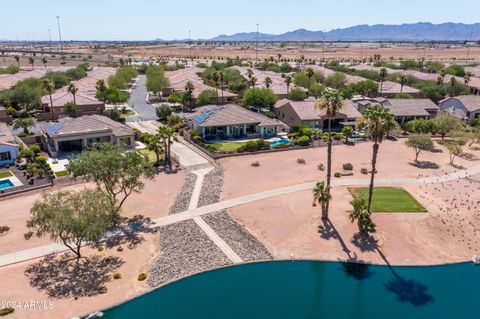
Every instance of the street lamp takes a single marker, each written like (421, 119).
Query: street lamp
(257, 45)
(60, 34)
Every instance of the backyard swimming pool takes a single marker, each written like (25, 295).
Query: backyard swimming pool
(314, 290)
(281, 141)
(6, 183)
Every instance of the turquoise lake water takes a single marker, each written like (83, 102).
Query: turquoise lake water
(315, 290)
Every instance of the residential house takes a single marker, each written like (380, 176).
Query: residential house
(86, 105)
(232, 120)
(77, 134)
(389, 89)
(464, 107)
(4, 117)
(296, 113)
(8, 148)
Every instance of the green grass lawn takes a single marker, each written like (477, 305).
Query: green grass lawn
(61, 173)
(5, 174)
(227, 146)
(150, 154)
(389, 199)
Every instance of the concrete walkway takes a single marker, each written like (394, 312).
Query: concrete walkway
(193, 213)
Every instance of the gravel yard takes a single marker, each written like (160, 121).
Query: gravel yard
(212, 187)
(183, 198)
(184, 250)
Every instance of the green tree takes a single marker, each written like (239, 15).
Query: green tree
(216, 79)
(48, 85)
(422, 126)
(167, 135)
(382, 75)
(268, 82)
(444, 124)
(101, 90)
(156, 80)
(115, 96)
(116, 173)
(402, 80)
(454, 149)
(44, 61)
(288, 81)
(189, 88)
(419, 143)
(70, 108)
(207, 97)
(31, 60)
(309, 73)
(72, 89)
(331, 102)
(363, 216)
(163, 111)
(337, 80)
(321, 194)
(155, 144)
(72, 218)
(347, 131)
(378, 122)
(24, 123)
(17, 58)
(259, 98)
(297, 94)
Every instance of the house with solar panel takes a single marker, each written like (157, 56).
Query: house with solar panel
(77, 134)
(231, 120)
(8, 148)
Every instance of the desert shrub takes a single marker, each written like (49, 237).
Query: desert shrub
(144, 137)
(42, 159)
(4, 229)
(348, 166)
(337, 174)
(120, 248)
(293, 135)
(101, 248)
(142, 276)
(321, 167)
(102, 290)
(117, 275)
(301, 161)
(28, 235)
(35, 149)
(364, 171)
(256, 164)
(303, 140)
(251, 146)
(325, 138)
(6, 311)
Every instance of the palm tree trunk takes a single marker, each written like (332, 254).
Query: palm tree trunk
(51, 104)
(372, 176)
(329, 165)
(222, 91)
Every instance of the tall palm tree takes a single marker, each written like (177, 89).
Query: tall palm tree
(268, 82)
(49, 86)
(403, 80)
(378, 122)
(309, 72)
(17, 58)
(361, 214)
(382, 74)
(101, 90)
(466, 78)
(44, 61)
(221, 79)
(31, 60)
(72, 89)
(443, 73)
(155, 144)
(321, 194)
(189, 88)
(331, 102)
(167, 135)
(288, 81)
(253, 81)
(279, 57)
(439, 80)
(216, 79)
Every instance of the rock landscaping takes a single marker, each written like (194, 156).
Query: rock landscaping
(212, 186)
(183, 198)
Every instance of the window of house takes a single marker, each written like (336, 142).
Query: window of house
(5, 156)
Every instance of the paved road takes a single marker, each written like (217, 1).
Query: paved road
(145, 111)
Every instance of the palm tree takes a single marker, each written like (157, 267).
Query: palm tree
(23, 123)
(279, 57)
(309, 72)
(253, 81)
(31, 61)
(189, 88)
(167, 136)
(321, 194)
(101, 90)
(268, 82)
(378, 122)
(466, 78)
(17, 58)
(155, 144)
(288, 81)
(70, 108)
(44, 61)
(403, 80)
(382, 74)
(216, 78)
(361, 214)
(72, 89)
(221, 79)
(439, 80)
(49, 86)
(331, 102)
(443, 73)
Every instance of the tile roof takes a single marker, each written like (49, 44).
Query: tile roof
(306, 110)
(61, 98)
(230, 114)
(410, 107)
(471, 102)
(7, 81)
(394, 87)
(5, 136)
(87, 124)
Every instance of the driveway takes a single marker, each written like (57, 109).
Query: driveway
(137, 101)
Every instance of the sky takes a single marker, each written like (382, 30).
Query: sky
(168, 20)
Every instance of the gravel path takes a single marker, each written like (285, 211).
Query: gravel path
(247, 246)
(212, 186)
(183, 198)
(184, 250)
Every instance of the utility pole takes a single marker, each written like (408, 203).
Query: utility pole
(60, 34)
(468, 48)
(49, 39)
(323, 50)
(190, 45)
(257, 45)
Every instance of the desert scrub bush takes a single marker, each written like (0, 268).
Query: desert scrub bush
(348, 166)
(117, 275)
(364, 171)
(301, 161)
(4, 229)
(6, 311)
(321, 167)
(102, 290)
(256, 164)
(120, 248)
(337, 174)
(142, 276)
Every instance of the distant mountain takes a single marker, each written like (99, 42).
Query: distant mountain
(422, 31)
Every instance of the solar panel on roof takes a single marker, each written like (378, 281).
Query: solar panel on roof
(200, 118)
(53, 128)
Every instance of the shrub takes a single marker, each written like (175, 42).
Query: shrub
(35, 149)
(325, 138)
(348, 167)
(321, 167)
(292, 135)
(6, 311)
(120, 248)
(364, 171)
(256, 164)
(4, 229)
(297, 94)
(117, 275)
(102, 290)
(337, 174)
(42, 159)
(142, 276)
(194, 133)
(28, 235)
(303, 140)
(301, 161)
(101, 248)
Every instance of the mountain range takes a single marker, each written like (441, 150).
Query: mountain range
(422, 31)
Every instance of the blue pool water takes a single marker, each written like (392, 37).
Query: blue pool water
(6, 184)
(314, 290)
(280, 142)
